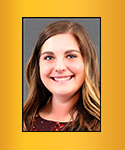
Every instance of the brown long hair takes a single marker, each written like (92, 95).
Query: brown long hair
(88, 106)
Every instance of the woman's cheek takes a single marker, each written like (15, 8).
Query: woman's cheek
(77, 66)
(45, 69)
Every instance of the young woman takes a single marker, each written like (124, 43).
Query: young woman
(63, 80)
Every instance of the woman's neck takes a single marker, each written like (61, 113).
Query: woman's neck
(58, 108)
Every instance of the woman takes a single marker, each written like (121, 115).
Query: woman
(63, 80)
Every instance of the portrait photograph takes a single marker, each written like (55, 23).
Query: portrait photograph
(61, 74)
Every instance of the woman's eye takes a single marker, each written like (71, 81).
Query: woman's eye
(71, 56)
(48, 58)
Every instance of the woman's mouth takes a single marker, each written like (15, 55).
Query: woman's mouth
(62, 79)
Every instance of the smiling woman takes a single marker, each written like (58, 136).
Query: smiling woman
(63, 79)
(61, 66)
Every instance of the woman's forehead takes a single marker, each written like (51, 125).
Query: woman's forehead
(60, 42)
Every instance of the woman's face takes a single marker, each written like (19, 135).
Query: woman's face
(61, 65)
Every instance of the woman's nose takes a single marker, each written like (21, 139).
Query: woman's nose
(60, 66)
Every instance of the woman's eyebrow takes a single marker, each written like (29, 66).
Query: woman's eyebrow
(48, 52)
(66, 52)
(69, 51)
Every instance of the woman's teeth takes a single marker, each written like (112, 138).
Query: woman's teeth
(62, 79)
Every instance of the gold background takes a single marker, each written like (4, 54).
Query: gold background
(112, 132)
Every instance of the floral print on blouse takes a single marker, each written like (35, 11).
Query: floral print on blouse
(40, 124)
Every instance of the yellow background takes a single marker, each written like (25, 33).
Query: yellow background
(112, 132)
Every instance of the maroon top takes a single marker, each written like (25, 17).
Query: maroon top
(40, 124)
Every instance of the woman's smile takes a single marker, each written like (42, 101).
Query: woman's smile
(62, 79)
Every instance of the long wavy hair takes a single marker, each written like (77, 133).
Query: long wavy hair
(88, 105)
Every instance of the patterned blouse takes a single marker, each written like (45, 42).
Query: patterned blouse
(40, 124)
